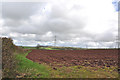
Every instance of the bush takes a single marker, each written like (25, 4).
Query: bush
(8, 60)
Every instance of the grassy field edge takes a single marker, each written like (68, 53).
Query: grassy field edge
(29, 69)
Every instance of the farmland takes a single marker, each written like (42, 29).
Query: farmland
(59, 39)
(68, 64)
(58, 62)
(75, 57)
(78, 63)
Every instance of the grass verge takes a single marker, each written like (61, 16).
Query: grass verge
(29, 69)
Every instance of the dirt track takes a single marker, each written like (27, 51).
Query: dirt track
(75, 57)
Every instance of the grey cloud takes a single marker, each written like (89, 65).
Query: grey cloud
(60, 26)
(27, 19)
(15, 13)
(106, 36)
(19, 10)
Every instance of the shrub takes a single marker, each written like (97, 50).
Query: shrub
(8, 60)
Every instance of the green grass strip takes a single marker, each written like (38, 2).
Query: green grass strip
(31, 69)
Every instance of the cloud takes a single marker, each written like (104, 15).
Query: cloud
(73, 22)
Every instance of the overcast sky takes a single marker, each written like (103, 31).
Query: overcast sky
(79, 23)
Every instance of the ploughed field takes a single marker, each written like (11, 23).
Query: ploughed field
(107, 57)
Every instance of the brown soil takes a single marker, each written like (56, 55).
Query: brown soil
(75, 57)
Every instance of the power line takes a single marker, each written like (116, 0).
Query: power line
(97, 42)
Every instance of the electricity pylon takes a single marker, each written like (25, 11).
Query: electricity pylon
(55, 41)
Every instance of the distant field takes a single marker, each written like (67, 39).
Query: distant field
(53, 48)
(63, 48)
